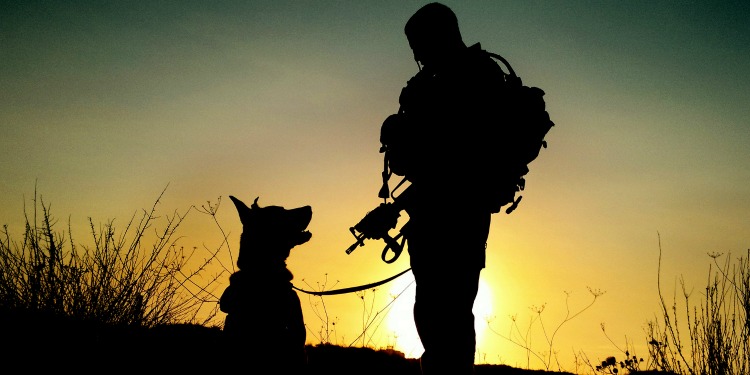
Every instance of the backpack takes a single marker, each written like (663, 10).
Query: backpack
(523, 141)
(523, 108)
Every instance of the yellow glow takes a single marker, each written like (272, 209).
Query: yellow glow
(254, 100)
(401, 318)
(482, 309)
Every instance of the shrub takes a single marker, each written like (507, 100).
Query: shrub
(718, 327)
(119, 280)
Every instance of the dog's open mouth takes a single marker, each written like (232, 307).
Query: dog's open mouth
(302, 217)
(302, 237)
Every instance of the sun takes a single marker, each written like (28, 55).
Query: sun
(400, 321)
(482, 309)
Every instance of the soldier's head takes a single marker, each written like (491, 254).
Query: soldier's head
(433, 34)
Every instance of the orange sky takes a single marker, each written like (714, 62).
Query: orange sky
(103, 106)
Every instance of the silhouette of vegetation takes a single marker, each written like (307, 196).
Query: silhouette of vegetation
(140, 277)
(548, 357)
(119, 280)
(371, 319)
(631, 363)
(326, 334)
(610, 365)
(718, 327)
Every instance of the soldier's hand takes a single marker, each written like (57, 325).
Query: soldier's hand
(378, 222)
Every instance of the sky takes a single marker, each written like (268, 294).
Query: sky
(105, 105)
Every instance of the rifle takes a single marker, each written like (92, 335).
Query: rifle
(383, 218)
(377, 223)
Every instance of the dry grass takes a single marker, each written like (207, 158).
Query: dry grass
(119, 280)
(131, 303)
(717, 341)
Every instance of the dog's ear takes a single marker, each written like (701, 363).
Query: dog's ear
(242, 208)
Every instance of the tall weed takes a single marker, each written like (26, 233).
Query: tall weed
(119, 279)
(547, 356)
(717, 341)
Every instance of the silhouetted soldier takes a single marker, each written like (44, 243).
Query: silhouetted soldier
(440, 141)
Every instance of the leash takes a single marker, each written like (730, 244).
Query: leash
(354, 288)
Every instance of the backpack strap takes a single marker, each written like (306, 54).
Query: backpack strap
(511, 77)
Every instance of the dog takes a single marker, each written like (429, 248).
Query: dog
(264, 323)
